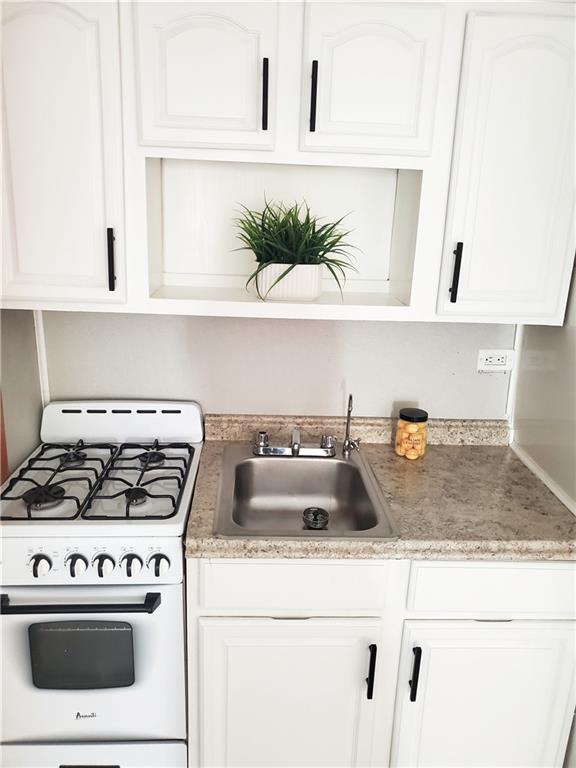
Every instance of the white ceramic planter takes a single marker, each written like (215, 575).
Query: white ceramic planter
(301, 284)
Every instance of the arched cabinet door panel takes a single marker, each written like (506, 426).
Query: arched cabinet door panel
(62, 172)
(206, 73)
(370, 77)
(511, 201)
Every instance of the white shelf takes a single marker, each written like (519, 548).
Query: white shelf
(194, 254)
(327, 298)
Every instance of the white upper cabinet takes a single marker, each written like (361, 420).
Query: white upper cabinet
(62, 171)
(370, 76)
(509, 244)
(484, 694)
(287, 692)
(206, 73)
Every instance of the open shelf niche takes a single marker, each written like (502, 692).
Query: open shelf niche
(192, 234)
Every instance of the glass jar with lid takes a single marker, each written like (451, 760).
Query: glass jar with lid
(411, 433)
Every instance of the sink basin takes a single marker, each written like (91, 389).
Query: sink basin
(267, 496)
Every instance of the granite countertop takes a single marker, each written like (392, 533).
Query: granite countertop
(458, 502)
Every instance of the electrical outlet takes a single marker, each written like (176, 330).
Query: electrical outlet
(495, 360)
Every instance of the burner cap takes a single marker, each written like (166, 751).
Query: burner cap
(152, 458)
(136, 495)
(74, 458)
(44, 496)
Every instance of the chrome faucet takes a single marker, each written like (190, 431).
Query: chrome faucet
(262, 447)
(349, 445)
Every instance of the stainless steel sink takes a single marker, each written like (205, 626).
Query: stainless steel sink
(268, 495)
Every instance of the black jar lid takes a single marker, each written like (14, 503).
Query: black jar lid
(415, 415)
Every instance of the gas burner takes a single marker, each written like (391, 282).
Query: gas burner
(136, 495)
(44, 496)
(74, 458)
(152, 458)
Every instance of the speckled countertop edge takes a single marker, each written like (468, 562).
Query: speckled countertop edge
(440, 503)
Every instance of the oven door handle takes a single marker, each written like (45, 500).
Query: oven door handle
(151, 602)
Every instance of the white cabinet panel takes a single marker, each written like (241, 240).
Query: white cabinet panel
(377, 76)
(493, 590)
(62, 149)
(512, 192)
(488, 694)
(275, 585)
(201, 70)
(285, 692)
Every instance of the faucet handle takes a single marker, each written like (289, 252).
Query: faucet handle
(327, 441)
(262, 440)
(295, 441)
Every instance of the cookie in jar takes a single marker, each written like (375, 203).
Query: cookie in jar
(411, 433)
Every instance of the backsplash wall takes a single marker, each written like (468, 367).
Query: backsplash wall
(277, 366)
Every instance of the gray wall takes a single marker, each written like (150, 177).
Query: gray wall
(20, 384)
(277, 366)
(545, 415)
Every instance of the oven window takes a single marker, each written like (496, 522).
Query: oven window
(81, 654)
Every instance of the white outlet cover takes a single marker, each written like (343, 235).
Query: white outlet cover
(495, 360)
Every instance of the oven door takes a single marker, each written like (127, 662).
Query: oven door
(93, 663)
(167, 755)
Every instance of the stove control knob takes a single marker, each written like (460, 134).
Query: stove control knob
(41, 565)
(77, 565)
(104, 565)
(131, 565)
(159, 564)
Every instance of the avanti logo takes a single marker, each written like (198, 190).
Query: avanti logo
(80, 716)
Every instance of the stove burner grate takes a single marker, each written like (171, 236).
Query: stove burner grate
(41, 483)
(152, 466)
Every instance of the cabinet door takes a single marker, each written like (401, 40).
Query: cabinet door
(285, 692)
(62, 150)
(512, 194)
(207, 73)
(376, 72)
(487, 694)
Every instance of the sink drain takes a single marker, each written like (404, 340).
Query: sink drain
(315, 518)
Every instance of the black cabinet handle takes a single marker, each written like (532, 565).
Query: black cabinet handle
(151, 602)
(265, 73)
(111, 270)
(456, 274)
(371, 671)
(415, 672)
(313, 96)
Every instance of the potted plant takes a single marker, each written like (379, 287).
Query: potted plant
(291, 248)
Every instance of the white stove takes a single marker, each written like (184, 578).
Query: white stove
(107, 468)
(92, 596)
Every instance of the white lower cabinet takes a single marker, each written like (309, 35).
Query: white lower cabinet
(484, 693)
(473, 663)
(287, 692)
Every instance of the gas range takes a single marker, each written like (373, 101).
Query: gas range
(92, 599)
(108, 477)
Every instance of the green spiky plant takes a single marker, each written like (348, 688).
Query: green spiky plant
(290, 235)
